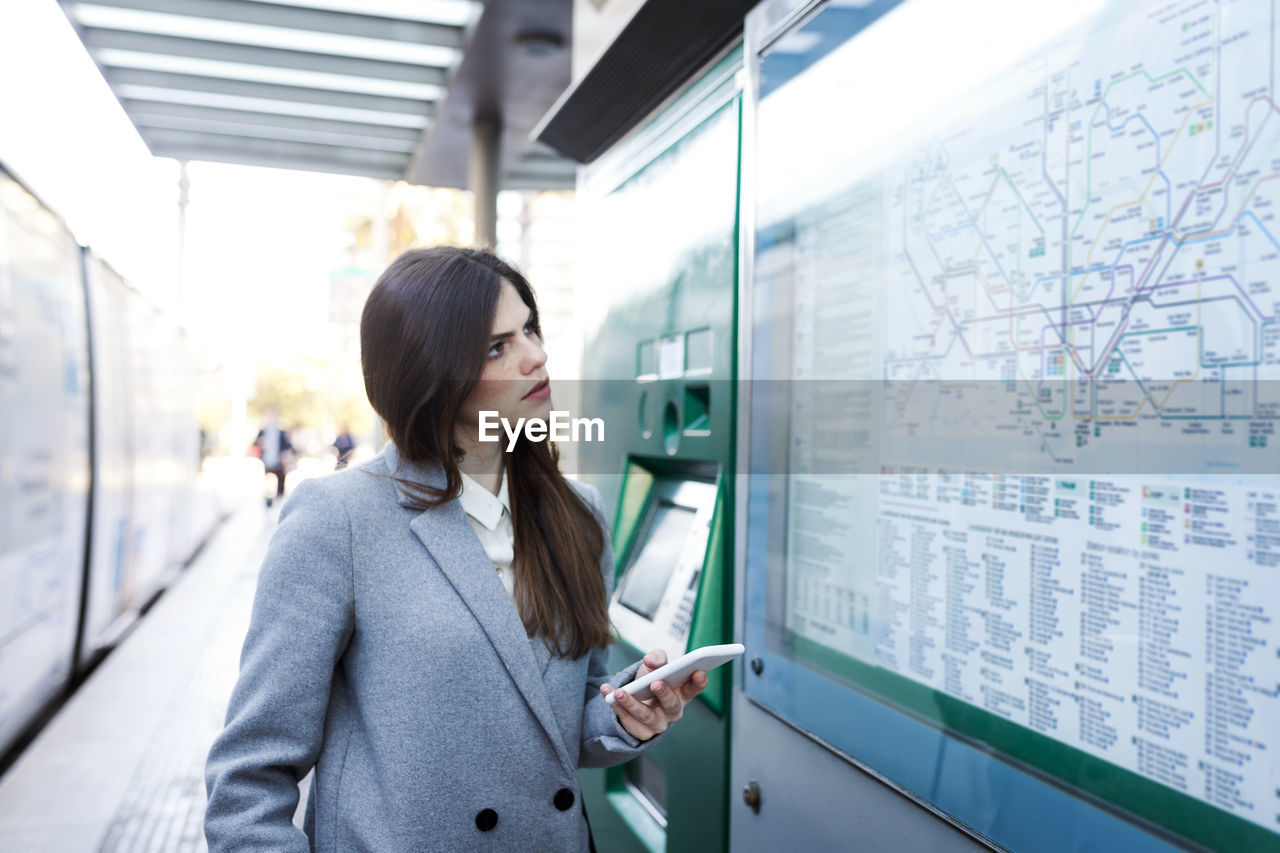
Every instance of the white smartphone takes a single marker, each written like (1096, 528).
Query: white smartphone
(680, 670)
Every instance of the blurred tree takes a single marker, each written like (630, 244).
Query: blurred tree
(423, 216)
(414, 216)
(316, 395)
(355, 412)
(360, 227)
(286, 388)
(212, 413)
(402, 233)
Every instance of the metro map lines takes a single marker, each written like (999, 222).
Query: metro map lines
(1095, 240)
(1070, 284)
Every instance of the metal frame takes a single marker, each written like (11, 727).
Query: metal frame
(298, 85)
(296, 18)
(96, 39)
(175, 116)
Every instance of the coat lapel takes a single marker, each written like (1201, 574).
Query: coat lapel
(455, 548)
(541, 653)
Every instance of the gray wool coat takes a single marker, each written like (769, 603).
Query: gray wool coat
(385, 653)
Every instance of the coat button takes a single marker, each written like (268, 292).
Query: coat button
(564, 799)
(486, 819)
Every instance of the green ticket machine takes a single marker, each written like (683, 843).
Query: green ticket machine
(660, 369)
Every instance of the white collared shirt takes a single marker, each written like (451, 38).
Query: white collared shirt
(490, 517)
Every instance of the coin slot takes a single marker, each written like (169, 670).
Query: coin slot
(671, 428)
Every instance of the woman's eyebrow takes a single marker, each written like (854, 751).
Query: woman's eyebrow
(502, 335)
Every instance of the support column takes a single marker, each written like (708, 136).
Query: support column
(483, 179)
(180, 272)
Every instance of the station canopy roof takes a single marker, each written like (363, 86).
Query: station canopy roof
(381, 88)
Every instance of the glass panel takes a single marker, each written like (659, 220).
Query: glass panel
(1020, 307)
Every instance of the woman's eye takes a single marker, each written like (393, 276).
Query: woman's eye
(496, 350)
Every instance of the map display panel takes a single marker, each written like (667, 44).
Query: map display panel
(1030, 319)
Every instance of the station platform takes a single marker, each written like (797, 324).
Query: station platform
(120, 767)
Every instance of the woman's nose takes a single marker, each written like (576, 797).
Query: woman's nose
(534, 355)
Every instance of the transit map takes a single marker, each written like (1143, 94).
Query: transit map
(1047, 316)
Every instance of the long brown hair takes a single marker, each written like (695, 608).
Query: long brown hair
(424, 335)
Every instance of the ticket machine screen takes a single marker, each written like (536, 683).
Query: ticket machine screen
(648, 576)
(653, 605)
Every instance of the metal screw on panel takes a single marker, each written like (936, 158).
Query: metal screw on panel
(757, 666)
(751, 795)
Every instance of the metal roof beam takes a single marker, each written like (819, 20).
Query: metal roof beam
(274, 147)
(152, 94)
(157, 113)
(296, 18)
(204, 146)
(268, 91)
(243, 158)
(401, 72)
(148, 126)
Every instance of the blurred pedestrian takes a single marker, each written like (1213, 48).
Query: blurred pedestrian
(345, 445)
(274, 449)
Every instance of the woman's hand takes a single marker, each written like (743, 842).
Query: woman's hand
(645, 718)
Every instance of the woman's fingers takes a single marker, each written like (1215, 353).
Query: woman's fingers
(638, 709)
(637, 717)
(669, 700)
(651, 661)
(646, 718)
(685, 692)
(691, 688)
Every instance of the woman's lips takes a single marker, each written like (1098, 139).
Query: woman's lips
(541, 391)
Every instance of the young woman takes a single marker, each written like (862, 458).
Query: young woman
(429, 629)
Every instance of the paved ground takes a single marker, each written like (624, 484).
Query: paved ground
(121, 767)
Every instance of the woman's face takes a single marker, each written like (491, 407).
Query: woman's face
(514, 382)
